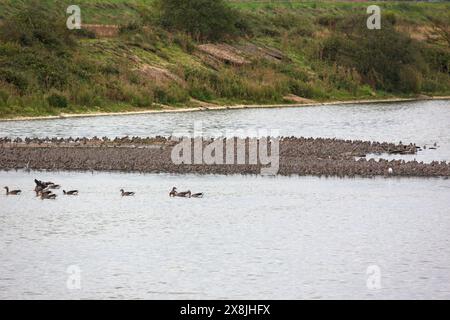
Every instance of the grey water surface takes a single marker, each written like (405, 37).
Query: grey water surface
(249, 237)
(423, 122)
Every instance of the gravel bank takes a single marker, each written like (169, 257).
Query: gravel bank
(302, 156)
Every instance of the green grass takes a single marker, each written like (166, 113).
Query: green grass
(102, 74)
(123, 11)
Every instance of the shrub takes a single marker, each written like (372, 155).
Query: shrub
(3, 97)
(203, 19)
(410, 79)
(15, 78)
(185, 42)
(36, 23)
(200, 90)
(170, 95)
(302, 89)
(379, 56)
(142, 101)
(329, 21)
(57, 100)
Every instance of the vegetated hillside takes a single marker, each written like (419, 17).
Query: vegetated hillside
(138, 55)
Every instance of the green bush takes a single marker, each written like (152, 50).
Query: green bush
(410, 79)
(57, 100)
(170, 95)
(328, 20)
(142, 101)
(211, 20)
(185, 42)
(379, 56)
(3, 97)
(15, 78)
(34, 23)
(302, 89)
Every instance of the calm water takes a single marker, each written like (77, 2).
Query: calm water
(250, 237)
(424, 123)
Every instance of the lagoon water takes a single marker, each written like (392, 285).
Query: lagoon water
(424, 123)
(250, 237)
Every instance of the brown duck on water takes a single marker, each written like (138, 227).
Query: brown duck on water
(12, 192)
(43, 185)
(126, 194)
(43, 193)
(175, 193)
(196, 195)
(185, 194)
(71, 192)
(38, 189)
(50, 196)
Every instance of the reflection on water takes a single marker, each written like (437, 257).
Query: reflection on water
(250, 237)
(424, 123)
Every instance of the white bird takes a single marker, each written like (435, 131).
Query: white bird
(390, 171)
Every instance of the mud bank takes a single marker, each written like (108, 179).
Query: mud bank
(300, 156)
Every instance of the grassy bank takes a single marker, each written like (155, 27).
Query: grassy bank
(265, 53)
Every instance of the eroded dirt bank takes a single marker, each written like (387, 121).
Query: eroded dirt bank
(303, 156)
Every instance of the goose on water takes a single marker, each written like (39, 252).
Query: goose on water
(43, 193)
(50, 196)
(43, 184)
(12, 192)
(185, 194)
(126, 194)
(71, 192)
(197, 195)
(175, 193)
(38, 189)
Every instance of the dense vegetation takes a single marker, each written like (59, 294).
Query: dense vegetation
(328, 54)
(201, 19)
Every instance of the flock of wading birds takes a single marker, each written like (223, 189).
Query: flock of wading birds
(45, 190)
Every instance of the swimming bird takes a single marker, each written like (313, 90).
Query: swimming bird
(173, 193)
(126, 194)
(54, 186)
(12, 192)
(38, 189)
(39, 184)
(43, 192)
(71, 192)
(197, 195)
(50, 196)
(43, 184)
(184, 194)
